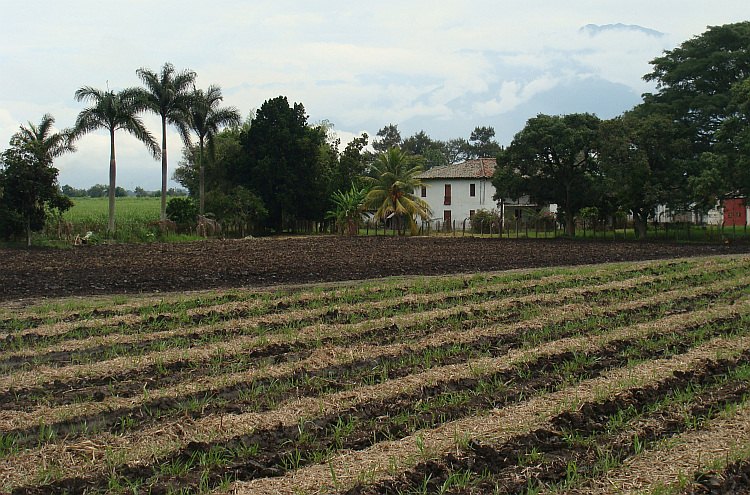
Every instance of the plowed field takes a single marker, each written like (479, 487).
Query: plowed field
(610, 378)
(161, 267)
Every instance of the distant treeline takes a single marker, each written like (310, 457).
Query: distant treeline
(101, 191)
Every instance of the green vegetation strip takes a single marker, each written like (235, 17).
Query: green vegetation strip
(165, 316)
(270, 302)
(132, 382)
(211, 336)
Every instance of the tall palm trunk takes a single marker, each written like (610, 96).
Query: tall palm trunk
(163, 168)
(202, 178)
(112, 181)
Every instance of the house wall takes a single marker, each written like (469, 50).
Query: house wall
(462, 203)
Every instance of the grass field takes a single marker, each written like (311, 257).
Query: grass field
(94, 211)
(606, 379)
(134, 219)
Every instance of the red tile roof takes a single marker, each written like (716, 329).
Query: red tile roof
(481, 168)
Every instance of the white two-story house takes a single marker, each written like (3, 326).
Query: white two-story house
(455, 192)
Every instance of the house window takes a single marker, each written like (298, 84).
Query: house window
(447, 194)
(472, 190)
(447, 218)
(424, 191)
(471, 213)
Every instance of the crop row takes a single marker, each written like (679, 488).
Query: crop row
(250, 403)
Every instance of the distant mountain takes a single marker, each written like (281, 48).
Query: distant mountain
(594, 29)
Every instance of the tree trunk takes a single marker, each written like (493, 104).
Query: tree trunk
(639, 224)
(28, 228)
(163, 168)
(201, 174)
(112, 181)
(570, 226)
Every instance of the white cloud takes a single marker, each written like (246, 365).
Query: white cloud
(360, 65)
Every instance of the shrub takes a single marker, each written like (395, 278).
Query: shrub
(181, 210)
(481, 221)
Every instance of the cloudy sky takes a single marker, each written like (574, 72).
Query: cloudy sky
(439, 66)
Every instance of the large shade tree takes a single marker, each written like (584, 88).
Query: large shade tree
(695, 80)
(112, 111)
(168, 94)
(206, 117)
(392, 190)
(642, 158)
(699, 82)
(551, 160)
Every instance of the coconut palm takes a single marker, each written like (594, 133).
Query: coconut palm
(391, 194)
(112, 111)
(168, 95)
(42, 141)
(206, 118)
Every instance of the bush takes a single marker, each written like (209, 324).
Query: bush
(482, 220)
(181, 210)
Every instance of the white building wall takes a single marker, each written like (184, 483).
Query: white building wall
(462, 203)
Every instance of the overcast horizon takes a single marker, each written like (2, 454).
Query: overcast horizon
(442, 67)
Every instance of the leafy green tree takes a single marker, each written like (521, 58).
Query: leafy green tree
(112, 111)
(391, 193)
(347, 209)
(167, 94)
(552, 160)
(238, 207)
(417, 144)
(482, 145)
(72, 192)
(388, 137)
(642, 158)
(28, 189)
(141, 193)
(694, 80)
(206, 118)
(456, 150)
(181, 210)
(97, 191)
(281, 163)
(351, 165)
(431, 151)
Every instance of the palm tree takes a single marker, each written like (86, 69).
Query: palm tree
(45, 144)
(112, 111)
(392, 189)
(168, 95)
(205, 120)
(348, 209)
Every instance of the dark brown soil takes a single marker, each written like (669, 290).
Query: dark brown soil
(162, 267)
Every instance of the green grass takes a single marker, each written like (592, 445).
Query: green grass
(134, 218)
(130, 209)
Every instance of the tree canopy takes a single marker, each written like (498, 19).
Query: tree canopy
(550, 160)
(282, 163)
(28, 189)
(695, 80)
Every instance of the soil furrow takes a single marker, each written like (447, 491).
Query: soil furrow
(579, 444)
(62, 358)
(272, 452)
(166, 374)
